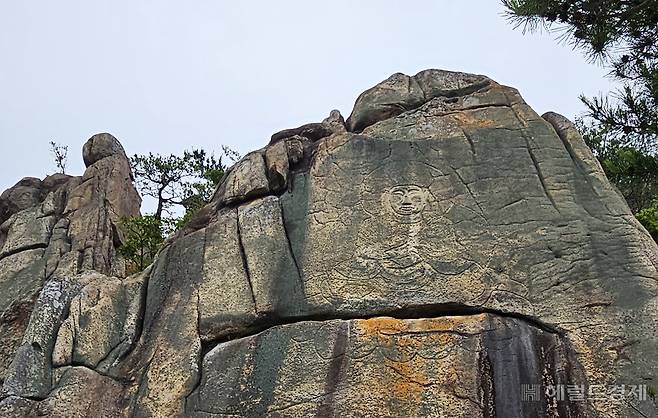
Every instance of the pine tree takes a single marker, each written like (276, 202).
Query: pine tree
(620, 34)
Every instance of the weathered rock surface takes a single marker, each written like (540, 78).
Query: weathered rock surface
(56, 236)
(448, 366)
(444, 252)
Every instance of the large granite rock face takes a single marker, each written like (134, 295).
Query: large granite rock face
(444, 252)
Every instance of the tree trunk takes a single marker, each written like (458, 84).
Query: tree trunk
(158, 211)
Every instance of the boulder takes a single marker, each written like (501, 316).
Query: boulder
(101, 146)
(245, 180)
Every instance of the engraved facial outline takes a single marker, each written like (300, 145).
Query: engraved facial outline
(407, 200)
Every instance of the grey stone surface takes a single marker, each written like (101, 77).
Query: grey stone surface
(273, 272)
(24, 194)
(30, 373)
(94, 324)
(401, 93)
(313, 131)
(26, 230)
(278, 166)
(226, 301)
(101, 146)
(397, 94)
(295, 147)
(169, 348)
(336, 122)
(245, 180)
(17, 407)
(455, 197)
(81, 392)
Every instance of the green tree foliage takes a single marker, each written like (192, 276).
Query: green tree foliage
(635, 174)
(632, 171)
(623, 35)
(142, 240)
(649, 218)
(186, 180)
(198, 194)
(621, 128)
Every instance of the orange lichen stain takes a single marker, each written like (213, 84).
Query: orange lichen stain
(405, 345)
(408, 379)
(594, 363)
(470, 120)
(445, 323)
(382, 325)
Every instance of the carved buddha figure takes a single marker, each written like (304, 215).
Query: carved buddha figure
(407, 202)
(408, 245)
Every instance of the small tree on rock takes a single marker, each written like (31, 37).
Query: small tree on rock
(60, 153)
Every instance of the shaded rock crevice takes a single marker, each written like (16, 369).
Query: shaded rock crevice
(265, 322)
(291, 250)
(13, 251)
(541, 176)
(245, 263)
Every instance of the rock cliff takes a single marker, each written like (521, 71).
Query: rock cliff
(445, 251)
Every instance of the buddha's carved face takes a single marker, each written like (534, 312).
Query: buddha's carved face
(407, 201)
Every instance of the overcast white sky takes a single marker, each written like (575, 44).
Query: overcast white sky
(163, 76)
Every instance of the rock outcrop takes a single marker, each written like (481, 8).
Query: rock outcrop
(444, 252)
(58, 237)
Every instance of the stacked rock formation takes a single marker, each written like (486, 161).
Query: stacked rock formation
(58, 260)
(444, 252)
